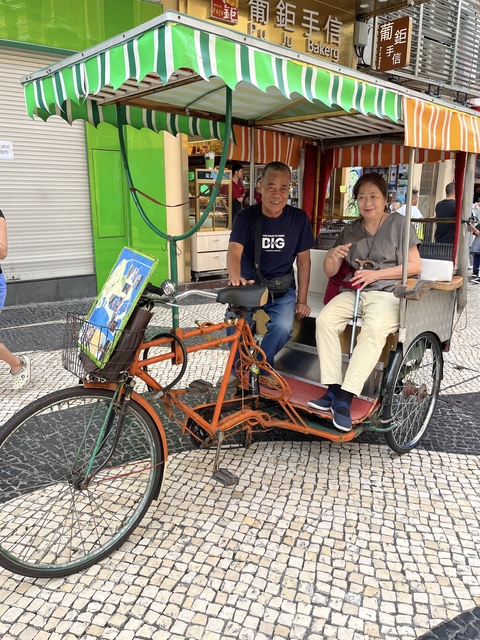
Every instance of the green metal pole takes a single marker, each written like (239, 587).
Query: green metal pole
(172, 248)
(172, 240)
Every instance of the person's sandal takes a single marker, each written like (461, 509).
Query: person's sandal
(22, 377)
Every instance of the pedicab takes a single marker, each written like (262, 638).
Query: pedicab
(97, 451)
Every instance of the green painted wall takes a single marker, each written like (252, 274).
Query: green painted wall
(71, 25)
(75, 25)
(116, 221)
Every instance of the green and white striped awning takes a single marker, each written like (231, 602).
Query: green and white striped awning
(94, 113)
(171, 74)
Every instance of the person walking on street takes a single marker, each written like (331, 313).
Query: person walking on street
(445, 232)
(475, 250)
(281, 234)
(19, 365)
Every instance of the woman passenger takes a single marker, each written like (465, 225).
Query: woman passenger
(379, 237)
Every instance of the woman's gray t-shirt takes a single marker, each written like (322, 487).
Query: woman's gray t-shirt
(385, 247)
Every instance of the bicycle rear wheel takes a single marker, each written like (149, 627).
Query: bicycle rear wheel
(51, 524)
(412, 390)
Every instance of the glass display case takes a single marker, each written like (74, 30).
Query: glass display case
(210, 244)
(220, 217)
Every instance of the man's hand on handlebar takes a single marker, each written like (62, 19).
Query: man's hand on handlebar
(239, 282)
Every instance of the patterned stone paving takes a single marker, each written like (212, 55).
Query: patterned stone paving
(316, 540)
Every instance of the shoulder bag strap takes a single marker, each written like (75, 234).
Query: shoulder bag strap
(258, 240)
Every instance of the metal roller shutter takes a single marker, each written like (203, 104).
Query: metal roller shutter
(44, 190)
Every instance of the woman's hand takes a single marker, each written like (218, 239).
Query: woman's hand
(363, 277)
(334, 258)
(340, 253)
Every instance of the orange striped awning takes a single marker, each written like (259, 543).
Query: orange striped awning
(269, 146)
(431, 126)
(383, 155)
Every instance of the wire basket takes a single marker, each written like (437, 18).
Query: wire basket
(87, 348)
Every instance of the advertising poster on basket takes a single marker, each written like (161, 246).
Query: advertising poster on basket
(114, 304)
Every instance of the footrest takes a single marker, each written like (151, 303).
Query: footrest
(225, 477)
(200, 385)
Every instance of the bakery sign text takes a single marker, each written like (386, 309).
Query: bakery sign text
(286, 18)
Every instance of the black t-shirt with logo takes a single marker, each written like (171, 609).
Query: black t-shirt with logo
(282, 239)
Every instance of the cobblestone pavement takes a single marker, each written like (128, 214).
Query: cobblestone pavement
(317, 540)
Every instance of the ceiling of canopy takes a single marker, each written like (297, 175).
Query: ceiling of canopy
(172, 72)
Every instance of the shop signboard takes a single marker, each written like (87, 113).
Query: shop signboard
(393, 44)
(225, 10)
(320, 30)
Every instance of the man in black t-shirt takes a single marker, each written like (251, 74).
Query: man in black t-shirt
(445, 232)
(286, 236)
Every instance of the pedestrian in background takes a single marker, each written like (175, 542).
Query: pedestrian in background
(238, 190)
(19, 365)
(414, 213)
(394, 206)
(257, 194)
(445, 232)
(475, 249)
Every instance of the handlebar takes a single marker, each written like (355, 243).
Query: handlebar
(158, 294)
(151, 288)
(196, 292)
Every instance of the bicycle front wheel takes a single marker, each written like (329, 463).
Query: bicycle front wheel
(52, 521)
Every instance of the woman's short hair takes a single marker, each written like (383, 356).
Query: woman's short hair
(371, 178)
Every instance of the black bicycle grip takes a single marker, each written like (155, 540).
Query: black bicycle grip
(151, 288)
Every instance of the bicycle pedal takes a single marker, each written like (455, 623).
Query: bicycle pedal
(200, 385)
(225, 477)
(231, 382)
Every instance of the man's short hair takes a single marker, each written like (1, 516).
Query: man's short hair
(414, 192)
(236, 167)
(450, 188)
(276, 166)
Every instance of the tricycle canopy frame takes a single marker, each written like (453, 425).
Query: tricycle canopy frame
(171, 74)
(184, 75)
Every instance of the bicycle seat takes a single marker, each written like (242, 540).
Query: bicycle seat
(250, 296)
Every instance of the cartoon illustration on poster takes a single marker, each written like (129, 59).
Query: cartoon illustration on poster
(114, 304)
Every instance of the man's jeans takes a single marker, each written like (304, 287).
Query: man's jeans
(279, 326)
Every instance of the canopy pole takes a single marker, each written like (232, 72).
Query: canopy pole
(406, 242)
(463, 238)
(252, 168)
(316, 194)
(172, 240)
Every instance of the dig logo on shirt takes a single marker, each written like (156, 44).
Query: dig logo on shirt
(273, 243)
